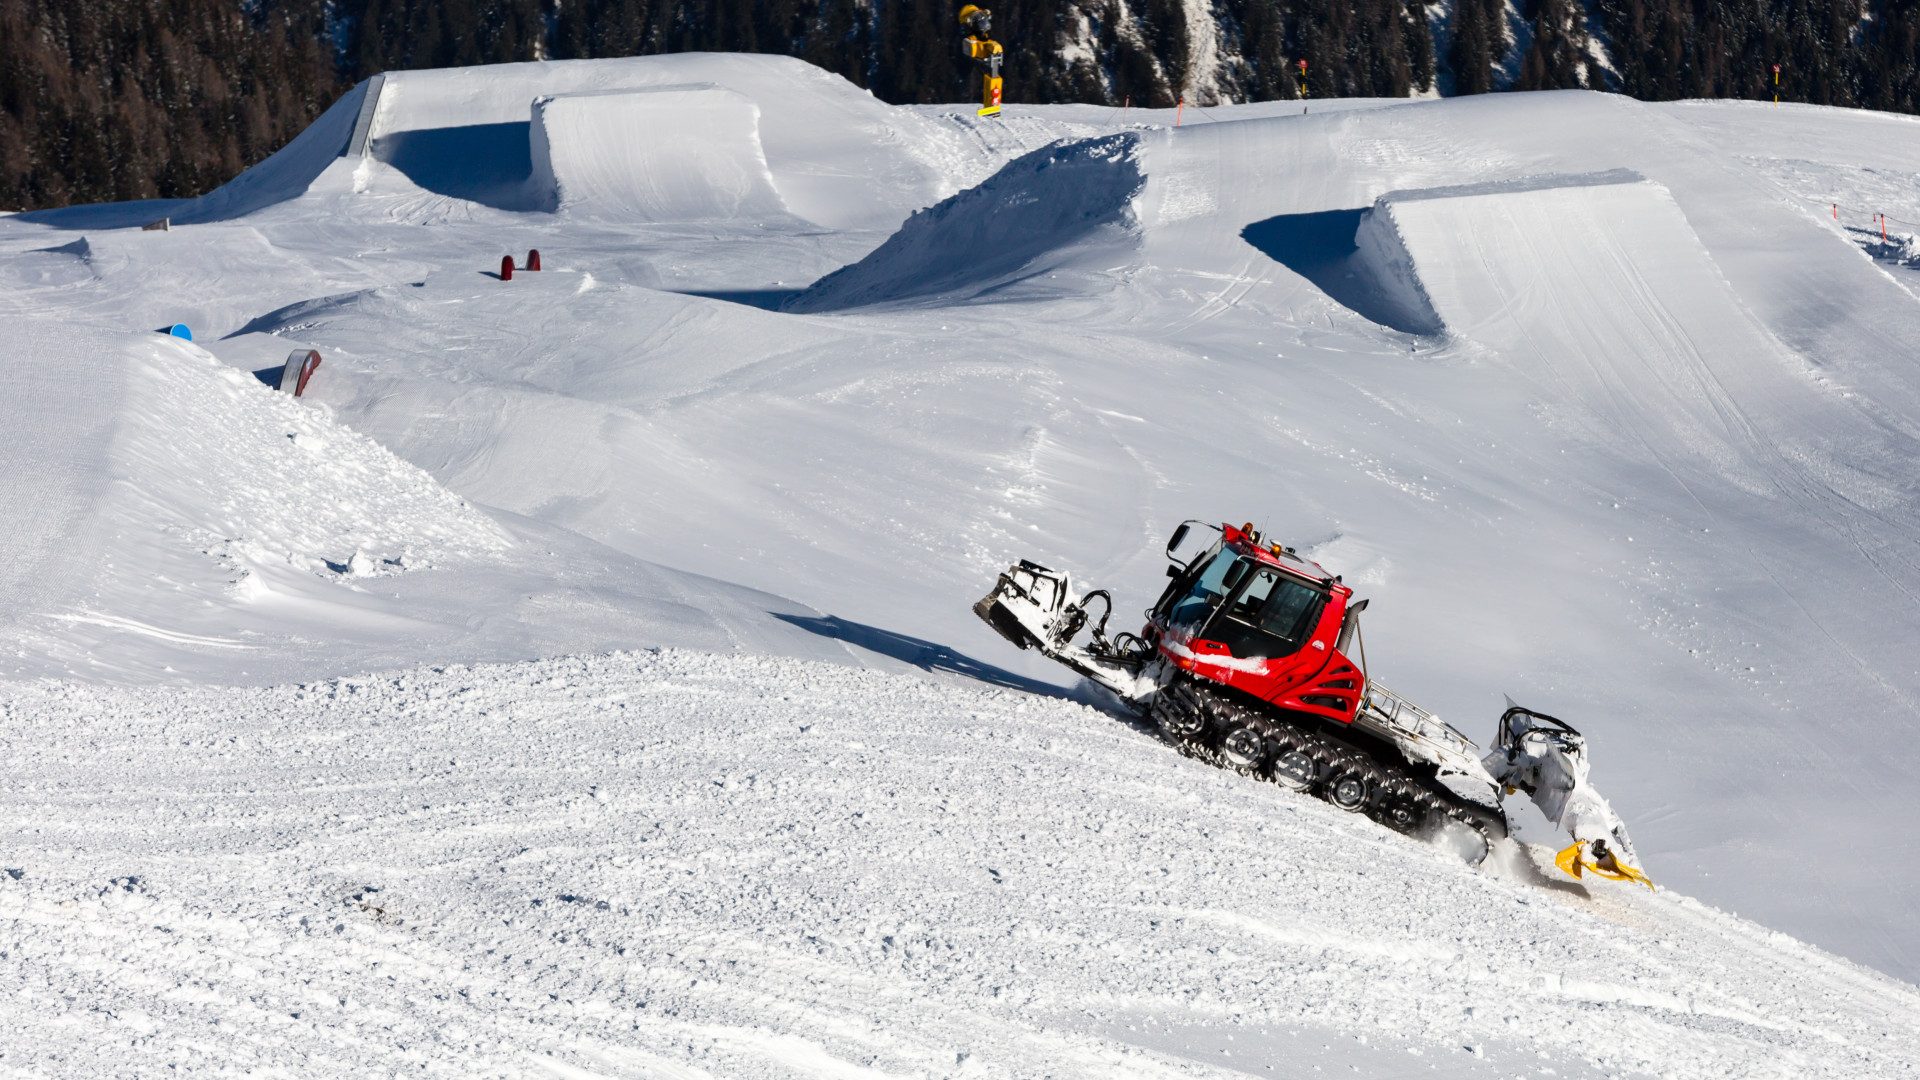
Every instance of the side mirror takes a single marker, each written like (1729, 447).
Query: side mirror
(1179, 534)
(1173, 570)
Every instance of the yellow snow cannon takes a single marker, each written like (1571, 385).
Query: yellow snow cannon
(1598, 858)
(980, 48)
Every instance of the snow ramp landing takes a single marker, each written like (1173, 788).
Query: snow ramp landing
(656, 154)
(1054, 209)
(1595, 285)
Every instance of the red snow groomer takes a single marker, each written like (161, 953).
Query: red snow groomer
(1244, 663)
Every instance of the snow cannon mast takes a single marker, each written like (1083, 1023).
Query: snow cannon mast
(979, 47)
(1244, 662)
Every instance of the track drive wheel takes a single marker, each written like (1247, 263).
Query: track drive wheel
(1402, 809)
(1178, 718)
(1350, 790)
(1244, 746)
(1293, 768)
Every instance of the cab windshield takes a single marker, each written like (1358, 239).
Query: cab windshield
(1272, 614)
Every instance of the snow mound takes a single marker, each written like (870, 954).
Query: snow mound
(172, 517)
(1037, 214)
(269, 483)
(233, 495)
(659, 154)
(834, 154)
(165, 444)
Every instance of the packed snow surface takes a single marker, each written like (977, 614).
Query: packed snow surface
(1597, 401)
(549, 868)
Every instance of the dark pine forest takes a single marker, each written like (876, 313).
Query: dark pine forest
(131, 99)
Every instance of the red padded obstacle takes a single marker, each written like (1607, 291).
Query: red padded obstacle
(294, 374)
(307, 369)
(506, 268)
(533, 259)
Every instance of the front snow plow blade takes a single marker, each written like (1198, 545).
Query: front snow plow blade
(1036, 608)
(1025, 604)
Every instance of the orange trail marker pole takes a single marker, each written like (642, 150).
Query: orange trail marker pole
(1125, 104)
(1177, 110)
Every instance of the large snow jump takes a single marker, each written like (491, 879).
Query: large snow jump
(656, 154)
(1596, 285)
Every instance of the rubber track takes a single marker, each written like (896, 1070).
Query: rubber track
(1391, 783)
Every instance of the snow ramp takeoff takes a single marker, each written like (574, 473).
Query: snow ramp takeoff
(1047, 211)
(655, 154)
(1595, 285)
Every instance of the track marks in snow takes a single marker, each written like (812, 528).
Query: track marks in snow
(684, 864)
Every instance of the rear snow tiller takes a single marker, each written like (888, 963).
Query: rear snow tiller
(1244, 663)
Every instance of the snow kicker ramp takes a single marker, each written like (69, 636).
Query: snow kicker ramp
(655, 154)
(1597, 286)
(1041, 212)
(837, 156)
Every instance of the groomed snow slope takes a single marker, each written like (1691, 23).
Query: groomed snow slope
(1730, 620)
(680, 865)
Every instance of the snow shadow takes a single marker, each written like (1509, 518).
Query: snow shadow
(765, 299)
(113, 215)
(490, 164)
(1321, 247)
(924, 655)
